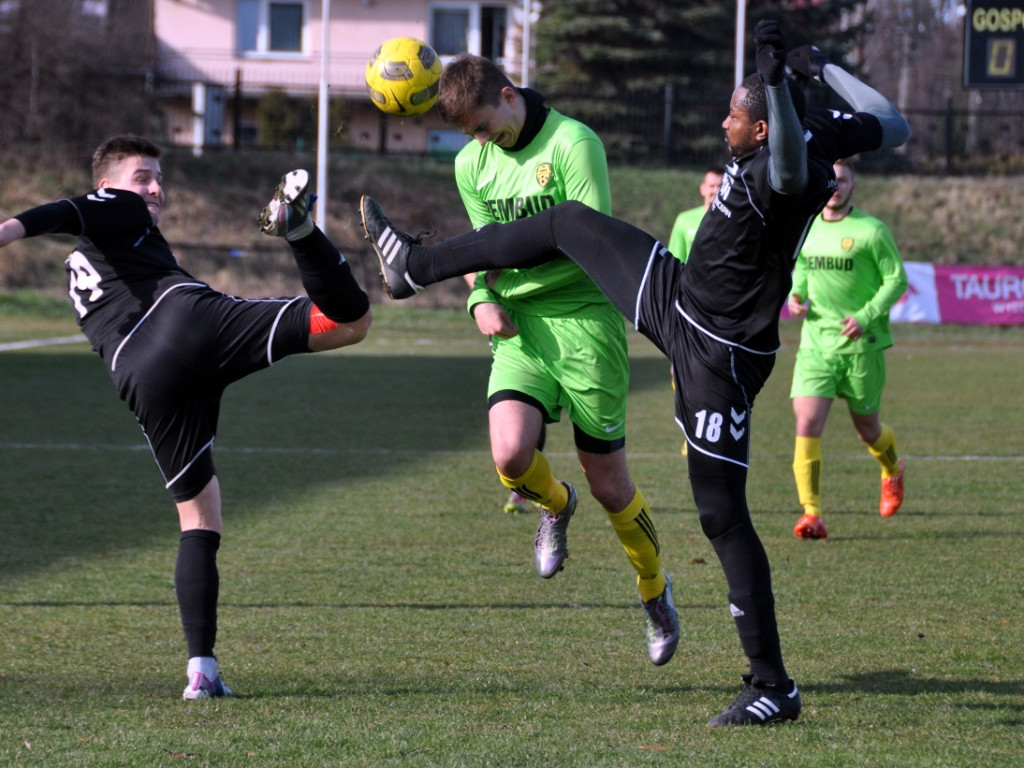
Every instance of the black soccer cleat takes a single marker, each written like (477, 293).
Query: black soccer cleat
(807, 61)
(760, 705)
(392, 248)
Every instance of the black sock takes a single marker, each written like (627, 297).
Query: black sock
(613, 253)
(327, 279)
(719, 489)
(522, 243)
(197, 585)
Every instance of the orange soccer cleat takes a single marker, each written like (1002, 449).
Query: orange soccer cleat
(810, 527)
(892, 494)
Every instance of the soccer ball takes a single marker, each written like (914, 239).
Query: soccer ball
(402, 76)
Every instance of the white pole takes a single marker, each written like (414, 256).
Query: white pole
(320, 211)
(524, 78)
(741, 32)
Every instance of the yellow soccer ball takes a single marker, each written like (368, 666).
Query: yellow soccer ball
(402, 76)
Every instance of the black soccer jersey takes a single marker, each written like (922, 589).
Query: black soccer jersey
(737, 276)
(121, 264)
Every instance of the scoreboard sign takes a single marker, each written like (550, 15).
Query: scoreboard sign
(994, 46)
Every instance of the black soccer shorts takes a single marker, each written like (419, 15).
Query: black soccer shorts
(173, 366)
(716, 380)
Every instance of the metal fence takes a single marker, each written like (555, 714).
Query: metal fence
(686, 129)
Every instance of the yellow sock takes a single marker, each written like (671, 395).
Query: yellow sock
(884, 449)
(638, 537)
(807, 471)
(539, 485)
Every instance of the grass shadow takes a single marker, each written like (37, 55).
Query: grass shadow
(77, 479)
(902, 682)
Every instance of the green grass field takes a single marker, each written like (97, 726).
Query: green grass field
(378, 609)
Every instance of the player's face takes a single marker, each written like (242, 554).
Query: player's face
(742, 134)
(499, 124)
(709, 187)
(842, 198)
(141, 175)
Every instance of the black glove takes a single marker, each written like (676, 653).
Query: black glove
(770, 51)
(807, 61)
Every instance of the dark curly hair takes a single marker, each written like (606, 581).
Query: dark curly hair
(756, 101)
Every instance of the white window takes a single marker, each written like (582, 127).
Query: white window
(469, 27)
(270, 26)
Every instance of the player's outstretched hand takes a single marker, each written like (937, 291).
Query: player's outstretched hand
(770, 51)
(11, 230)
(807, 61)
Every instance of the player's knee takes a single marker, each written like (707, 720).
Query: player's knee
(613, 496)
(360, 328)
(511, 461)
(719, 493)
(325, 333)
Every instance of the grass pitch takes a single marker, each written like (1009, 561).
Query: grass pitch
(378, 609)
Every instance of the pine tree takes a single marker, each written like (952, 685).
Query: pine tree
(620, 65)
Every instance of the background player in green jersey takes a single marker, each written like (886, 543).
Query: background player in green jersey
(558, 343)
(685, 227)
(848, 275)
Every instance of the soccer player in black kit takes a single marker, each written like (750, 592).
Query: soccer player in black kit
(716, 316)
(172, 344)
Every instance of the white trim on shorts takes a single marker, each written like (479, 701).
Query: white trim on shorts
(113, 360)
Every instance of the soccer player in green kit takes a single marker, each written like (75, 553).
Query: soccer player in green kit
(848, 275)
(558, 343)
(685, 227)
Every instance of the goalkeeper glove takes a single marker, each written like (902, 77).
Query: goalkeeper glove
(770, 51)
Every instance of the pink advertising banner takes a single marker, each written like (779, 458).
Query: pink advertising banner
(939, 293)
(989, 296)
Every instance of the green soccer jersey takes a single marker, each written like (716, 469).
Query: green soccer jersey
(684, 230)
(849, 267)
(564, 161)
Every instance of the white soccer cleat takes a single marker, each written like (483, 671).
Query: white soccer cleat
(287, 213)
(201, 687)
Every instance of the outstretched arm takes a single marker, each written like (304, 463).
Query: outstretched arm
(787, 172)
(49, 218)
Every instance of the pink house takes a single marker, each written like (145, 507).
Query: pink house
(217, 58)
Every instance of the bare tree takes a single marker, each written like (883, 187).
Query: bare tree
(72, 72)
